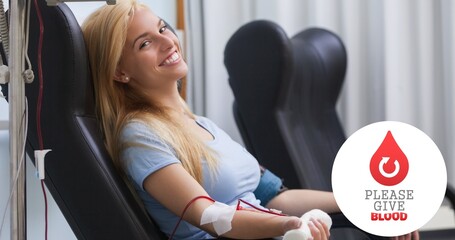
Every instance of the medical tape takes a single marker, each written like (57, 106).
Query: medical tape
(220, 215)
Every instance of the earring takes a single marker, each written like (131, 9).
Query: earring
(127, 79)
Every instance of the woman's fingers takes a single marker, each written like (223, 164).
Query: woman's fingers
(319, 230)
(314, 231)
(410, 236)
(326, 228)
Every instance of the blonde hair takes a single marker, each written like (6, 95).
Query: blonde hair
(105, 33)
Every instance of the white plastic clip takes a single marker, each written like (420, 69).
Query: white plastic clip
(304, 233)
(39, 161)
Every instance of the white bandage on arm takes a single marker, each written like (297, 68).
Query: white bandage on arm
(304, 233)
(220, 215)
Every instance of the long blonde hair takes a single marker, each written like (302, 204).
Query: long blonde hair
(105, 33)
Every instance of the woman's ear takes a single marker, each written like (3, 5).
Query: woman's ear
(120, 76)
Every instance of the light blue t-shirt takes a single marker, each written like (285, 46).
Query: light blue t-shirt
(237, 177)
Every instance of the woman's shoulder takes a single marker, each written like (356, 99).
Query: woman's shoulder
(134, 130)
(206, 123)
(137, 133)
(133, 127)
(204, 120)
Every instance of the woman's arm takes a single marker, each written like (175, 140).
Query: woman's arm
(299, 201)
(173, 187)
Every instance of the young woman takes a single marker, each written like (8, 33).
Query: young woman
(170, 155)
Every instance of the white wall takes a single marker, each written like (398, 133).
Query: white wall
(221, 20)
(4, 173)
(164, 9)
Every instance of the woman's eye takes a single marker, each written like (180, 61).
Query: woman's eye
(144, 44)
(163, 28)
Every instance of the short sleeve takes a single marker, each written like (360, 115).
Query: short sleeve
(143, 152)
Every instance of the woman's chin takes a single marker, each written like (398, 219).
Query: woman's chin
(181, 71)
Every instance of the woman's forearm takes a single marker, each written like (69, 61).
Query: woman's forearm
(179, 195)
(297, 202)
(256, 225)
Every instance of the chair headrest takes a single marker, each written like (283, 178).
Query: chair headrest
(320, 61)
(257, 57)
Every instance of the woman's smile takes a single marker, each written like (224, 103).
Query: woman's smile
(172, 59)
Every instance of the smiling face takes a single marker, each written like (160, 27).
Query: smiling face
(151, 58)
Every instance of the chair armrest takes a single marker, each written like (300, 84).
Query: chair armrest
(340, 221)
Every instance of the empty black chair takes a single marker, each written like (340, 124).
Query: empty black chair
(285, 94)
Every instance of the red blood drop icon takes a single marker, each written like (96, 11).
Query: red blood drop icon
(389, 165)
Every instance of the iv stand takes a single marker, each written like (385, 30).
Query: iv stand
(16, 101)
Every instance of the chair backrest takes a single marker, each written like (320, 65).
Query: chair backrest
(285, 93)
(80, 175)
(257, 57)
(306, 110)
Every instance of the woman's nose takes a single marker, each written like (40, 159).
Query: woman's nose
(167, 42)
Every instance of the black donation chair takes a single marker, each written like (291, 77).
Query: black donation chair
(266, 73)
(285, 93)
(92, 195)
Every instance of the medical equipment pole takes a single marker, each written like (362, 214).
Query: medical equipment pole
(16, 101)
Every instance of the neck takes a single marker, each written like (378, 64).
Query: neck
(169, 98)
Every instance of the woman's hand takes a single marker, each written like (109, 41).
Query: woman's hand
(291, 224)
(319, 230)
(410, 236)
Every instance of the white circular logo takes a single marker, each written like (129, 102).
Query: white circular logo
(389, 178)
